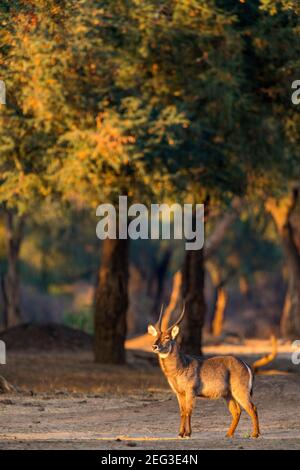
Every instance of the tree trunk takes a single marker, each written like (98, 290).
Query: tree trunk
(174, 298)
(282, 212)
(160, 277)
(111, 302)
(290, 320)
(218, 314)
(220, 296)
(193, 277)
(193, 296)
(11, 279)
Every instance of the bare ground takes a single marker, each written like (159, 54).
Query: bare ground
(66, 401)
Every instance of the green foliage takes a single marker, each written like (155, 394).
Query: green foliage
(60, 250)
(30, 45)
(167, 101)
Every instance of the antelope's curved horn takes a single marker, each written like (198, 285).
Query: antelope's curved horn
(160, 317)
(179, 319)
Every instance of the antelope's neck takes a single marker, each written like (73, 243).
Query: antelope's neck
(173, 363)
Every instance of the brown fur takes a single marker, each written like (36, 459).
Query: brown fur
(189, 377)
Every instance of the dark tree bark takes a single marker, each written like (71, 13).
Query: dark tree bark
(11, 279)
(290, 320)
(111, 302)
(161, 271)
(193, 277)
(193, 296)
(282, 213)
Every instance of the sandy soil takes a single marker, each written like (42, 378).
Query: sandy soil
(65, 401)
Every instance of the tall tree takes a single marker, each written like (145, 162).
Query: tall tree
(188, 61)
(272, 123)
(111, 145)
(26, 126)
(282, 212)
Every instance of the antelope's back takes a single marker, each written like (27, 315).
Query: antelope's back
(220, 376)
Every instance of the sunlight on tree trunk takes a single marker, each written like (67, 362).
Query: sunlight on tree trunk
(218, 315)
(244, 285)
(174, 298)
(220, 297)
(111, 303)
(161, 272)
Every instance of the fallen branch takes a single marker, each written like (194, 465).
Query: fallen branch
(268, 358)
(5, 387)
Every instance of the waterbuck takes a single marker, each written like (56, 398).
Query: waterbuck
(190, 376)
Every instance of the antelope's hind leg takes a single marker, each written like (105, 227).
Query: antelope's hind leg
(235, 411)
(251, 409)
(252, 412)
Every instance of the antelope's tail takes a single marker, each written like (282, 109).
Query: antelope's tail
(266, 359)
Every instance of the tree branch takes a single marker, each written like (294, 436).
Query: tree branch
(221, 228)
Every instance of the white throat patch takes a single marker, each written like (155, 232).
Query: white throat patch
(164, 355)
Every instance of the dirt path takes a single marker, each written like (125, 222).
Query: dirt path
(100, 418)
(66, 401)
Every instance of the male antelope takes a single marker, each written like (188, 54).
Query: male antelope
(189, 377)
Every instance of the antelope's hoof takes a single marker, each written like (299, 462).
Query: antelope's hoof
(255, 435)
(187, 435)
(181, 434)
(228, 434)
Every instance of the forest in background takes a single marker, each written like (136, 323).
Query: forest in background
(175, 101)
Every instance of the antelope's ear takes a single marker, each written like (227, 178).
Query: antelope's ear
(152, 330)
(175, 331)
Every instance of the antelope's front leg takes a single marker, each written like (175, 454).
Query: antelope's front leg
(181, 402)
(189, 405)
